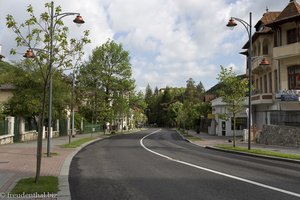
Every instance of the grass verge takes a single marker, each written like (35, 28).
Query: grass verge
(77, 143)
(261, 152)
(28, 186)
(189, 137)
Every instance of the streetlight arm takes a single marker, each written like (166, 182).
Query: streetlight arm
(62, 15)
(245, 24)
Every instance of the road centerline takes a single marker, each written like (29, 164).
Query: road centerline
(214, 171)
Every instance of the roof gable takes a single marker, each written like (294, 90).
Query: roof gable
(291, 10)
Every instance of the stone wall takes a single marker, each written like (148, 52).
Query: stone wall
(22, 135)
(28, 136)
(279, 135)
(6, 139)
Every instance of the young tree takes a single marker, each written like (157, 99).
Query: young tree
(107, 72)
(47, 36)
(233, 92)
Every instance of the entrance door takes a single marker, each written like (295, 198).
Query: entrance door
(223, 128)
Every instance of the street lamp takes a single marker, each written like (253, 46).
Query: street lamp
(231, 24)
(30, 54)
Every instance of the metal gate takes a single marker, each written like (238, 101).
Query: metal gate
(3, 127)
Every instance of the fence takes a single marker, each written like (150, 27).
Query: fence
(90, 128)
(3, 127)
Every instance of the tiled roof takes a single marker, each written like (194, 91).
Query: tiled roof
(269, 17)
(290, 11)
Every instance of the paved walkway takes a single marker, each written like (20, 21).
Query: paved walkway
(208, 140)
(18, 160)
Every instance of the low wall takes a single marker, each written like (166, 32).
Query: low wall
(6, 139)
(32, 135)
(279, 135)
(28, 136)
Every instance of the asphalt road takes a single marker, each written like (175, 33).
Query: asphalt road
(159, 164)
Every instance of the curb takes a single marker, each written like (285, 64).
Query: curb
(254, 155)
(63, 179)
(243, 153)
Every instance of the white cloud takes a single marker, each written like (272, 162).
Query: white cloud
(169, 40)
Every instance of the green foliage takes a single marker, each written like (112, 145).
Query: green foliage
(233, 90)
(48, 38)
(28, 94)
(177, 106)
(106, 80)
(261, 152)
(78, 143)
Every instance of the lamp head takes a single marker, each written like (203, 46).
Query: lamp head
(265, 62)
(78, 20)
(29, 54)
(231, 23)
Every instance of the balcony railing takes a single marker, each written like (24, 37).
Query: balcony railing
(261, 98)
(287, 51)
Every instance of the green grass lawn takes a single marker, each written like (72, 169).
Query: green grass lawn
(77, 143)
(28, 186)
(260, 152)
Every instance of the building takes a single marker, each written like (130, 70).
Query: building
(223, 127)
(276, 74)
(6, 92)
(276, 40)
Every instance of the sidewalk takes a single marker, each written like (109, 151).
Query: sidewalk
(18, 160)
(208, 140)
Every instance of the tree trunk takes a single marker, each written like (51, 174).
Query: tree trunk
(40, 137)
(234, 135)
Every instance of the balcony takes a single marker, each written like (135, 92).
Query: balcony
(287, 51)
(257, 68)
(261, 98)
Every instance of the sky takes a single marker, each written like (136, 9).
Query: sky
(169, 41)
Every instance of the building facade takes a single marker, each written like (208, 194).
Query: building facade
(276, 40)
(225, 127)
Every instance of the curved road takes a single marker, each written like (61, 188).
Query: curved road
(158, 164)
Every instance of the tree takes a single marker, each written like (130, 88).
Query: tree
(137, 105)
(233, 91)
(46, 35)
(148, 94)
(107, 72)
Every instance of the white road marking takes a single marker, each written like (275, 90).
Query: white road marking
(216, 172)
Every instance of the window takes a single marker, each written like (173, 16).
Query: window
(265, 84)
(240, 123)
(260, 85)
(294, 77)
(285, 118)
(275, 80)
(265, 49)
(277, 37)
(270, 83)
(291, 36)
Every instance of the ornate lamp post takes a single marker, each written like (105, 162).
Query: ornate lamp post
(231, 24)
(77, 20)
(30, 54)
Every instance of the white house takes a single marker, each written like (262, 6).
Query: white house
(221, 127)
